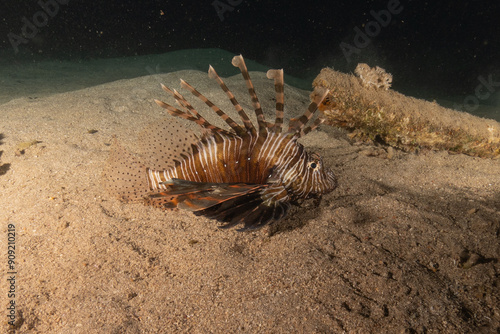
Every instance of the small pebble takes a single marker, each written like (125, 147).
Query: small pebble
(472, 211)
(390, 152)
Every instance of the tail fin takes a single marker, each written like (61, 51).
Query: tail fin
(123, 176)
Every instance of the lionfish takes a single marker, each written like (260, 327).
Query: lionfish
(248, 175)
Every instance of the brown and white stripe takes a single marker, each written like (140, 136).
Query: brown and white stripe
(247, 175)
(264, 156)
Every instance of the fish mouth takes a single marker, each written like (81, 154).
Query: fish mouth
(328, 186)
(332, 181)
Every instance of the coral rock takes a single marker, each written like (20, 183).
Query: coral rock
(373, 77)
(403, 122)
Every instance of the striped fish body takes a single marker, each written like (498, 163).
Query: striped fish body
(247, 175)
(275, 160)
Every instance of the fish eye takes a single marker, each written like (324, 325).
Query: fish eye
(313, 164)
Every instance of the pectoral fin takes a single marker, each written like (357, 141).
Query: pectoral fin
(195, 196)
(231, 203)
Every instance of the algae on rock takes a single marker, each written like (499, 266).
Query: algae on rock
(404, 122)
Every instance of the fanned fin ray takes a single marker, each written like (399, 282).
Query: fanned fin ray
(239, 62)
(248, 210)
(196, 196)
(237, 129)
(163, 141)
(200, 121)
(296, 125)
(279, 87)
(123, 176)
(182, 102)
(244, 117)
(231, 203)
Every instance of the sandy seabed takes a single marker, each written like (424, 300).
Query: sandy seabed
(408, 243)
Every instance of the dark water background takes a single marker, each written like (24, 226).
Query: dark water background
(445, 50)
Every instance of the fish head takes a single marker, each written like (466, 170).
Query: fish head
(319, 179)
(308, 177)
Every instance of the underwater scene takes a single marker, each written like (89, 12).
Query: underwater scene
(250, 166)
